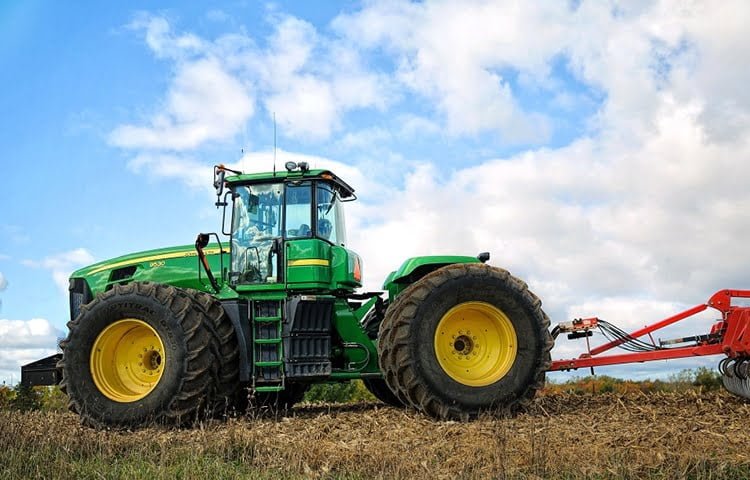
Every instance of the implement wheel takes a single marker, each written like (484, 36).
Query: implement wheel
(464, 339)
(137, 354)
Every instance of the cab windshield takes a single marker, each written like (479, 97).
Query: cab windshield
(256, 225)
(265, 214)
(330, 215)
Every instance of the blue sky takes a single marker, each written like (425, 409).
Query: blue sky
(595, 148)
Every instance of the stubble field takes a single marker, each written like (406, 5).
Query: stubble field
(658, 435)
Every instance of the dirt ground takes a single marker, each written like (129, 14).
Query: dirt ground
(658, 435)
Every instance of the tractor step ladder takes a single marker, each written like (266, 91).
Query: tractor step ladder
(268, 346)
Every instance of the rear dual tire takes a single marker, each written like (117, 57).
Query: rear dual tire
(378, 386)
(465, 339)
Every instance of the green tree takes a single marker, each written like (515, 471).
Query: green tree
(27, 398)
(707, 378)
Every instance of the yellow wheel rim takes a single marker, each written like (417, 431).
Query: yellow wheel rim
(475, 344)
(127, 360)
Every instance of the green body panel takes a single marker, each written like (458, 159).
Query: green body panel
(314, 264)
(176, 266)
(308, 264)
(360, 353)
(346, 269)
(416, 267)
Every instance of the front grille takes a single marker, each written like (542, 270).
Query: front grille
(80, 294)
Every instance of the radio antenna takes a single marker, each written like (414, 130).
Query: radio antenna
(274, 144)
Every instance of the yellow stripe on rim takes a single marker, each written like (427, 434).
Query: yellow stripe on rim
(152, 258)
(309, 262)
(475, 344)
(127, 360)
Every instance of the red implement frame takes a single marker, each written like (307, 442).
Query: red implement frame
(730, 336)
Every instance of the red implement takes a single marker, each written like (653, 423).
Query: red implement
(730, 336)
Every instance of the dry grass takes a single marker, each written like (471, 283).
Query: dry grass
(658, 435)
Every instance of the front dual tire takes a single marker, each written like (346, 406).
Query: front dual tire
(144, 353)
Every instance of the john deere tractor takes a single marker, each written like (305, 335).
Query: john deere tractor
(178, 334)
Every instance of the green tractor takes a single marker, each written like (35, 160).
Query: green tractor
(179, 334)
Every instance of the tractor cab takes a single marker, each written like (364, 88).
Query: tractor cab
(288, 229)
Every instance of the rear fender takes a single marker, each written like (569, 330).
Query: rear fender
(417, 267)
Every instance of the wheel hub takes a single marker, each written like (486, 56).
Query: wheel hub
(463, 345)
(475, 343)
(127, 360)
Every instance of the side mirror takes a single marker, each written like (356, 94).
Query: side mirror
(219, 174)
(202, 240)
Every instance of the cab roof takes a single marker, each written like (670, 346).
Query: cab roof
(346, 191)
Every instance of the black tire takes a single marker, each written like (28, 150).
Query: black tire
(225, 398)
(373, 319)
(378, 386)
(179, 396)
(407, 346)
(380, 389)
(386, 343)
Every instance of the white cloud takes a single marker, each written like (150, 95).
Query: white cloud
(61, 265)
(34, 333)
(311, 81)
(460, 56)
(414, 125)
(368, 138)
(307, 81)
(171, 166)
(22, 342)
(163, 41)
(204, 103)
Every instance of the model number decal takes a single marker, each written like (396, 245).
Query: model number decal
(160, 263)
